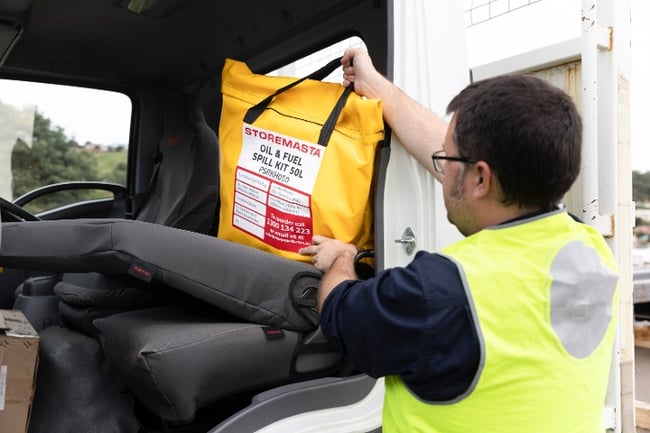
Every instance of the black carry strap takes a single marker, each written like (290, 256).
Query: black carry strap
(328, 127)
(330, 123)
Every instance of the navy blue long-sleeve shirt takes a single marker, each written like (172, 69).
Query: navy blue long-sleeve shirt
(414, 322)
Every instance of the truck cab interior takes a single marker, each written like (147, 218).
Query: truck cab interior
(122, 350)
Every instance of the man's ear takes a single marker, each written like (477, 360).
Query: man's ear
(482, 179)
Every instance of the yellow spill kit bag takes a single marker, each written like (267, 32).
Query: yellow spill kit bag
(296, 159)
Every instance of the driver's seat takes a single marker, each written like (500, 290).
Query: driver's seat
(176, 197)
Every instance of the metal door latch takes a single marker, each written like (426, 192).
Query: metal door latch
(408, 241)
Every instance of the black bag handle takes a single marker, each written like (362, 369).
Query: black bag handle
(256, 110)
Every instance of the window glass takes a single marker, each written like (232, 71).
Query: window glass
(318, 59)
(53, 133)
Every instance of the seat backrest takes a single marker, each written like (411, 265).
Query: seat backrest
(184, 188)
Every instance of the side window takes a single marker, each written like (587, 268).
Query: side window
(53, 133)
(312, 62)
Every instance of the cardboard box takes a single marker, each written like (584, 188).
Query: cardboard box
(18, 361)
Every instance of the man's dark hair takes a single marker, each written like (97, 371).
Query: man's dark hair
(527, 130)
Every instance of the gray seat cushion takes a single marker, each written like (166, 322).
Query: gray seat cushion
(88, 296)
(177, 361)
(256, 286)
(82, 318)
(82, 296)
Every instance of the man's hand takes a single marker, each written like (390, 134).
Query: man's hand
(325, 251)
(333, 257)
(358, 69)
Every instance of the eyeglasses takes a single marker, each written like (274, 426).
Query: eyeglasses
(439, 157)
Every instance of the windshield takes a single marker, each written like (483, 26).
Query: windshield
(52, 133)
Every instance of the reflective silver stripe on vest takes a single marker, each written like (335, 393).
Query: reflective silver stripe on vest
(581, 298)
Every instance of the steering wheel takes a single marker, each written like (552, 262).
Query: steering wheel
(12, 212)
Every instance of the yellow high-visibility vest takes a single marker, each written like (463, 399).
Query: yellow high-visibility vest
(543, 294)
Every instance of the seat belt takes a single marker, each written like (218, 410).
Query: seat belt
(137, 200)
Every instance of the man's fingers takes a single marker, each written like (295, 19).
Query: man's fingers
(318, 239)
(307, 251)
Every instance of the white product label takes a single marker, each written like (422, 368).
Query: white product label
(275, 178)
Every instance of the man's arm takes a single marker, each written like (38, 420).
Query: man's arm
(419, 130)
(342, 269)
(413, 321)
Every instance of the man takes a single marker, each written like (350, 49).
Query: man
(510, 329)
